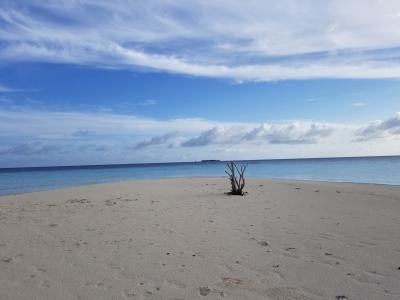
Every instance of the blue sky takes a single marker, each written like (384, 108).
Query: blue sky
(93, 82)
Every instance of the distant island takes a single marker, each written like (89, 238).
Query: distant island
(209, 160)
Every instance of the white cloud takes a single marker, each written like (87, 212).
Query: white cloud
(294, 133)
(156, 140)
(252, 40)
(380, 129)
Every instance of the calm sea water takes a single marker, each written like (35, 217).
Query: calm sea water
(382, 170)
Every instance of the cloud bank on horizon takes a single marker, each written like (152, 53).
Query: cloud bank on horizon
(114, 138)
(239, 40)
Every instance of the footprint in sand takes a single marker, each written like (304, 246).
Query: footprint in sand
(110, 202)
(182, 268)
(6, 259)
(263, 243)
(204, 290)
(82, 201)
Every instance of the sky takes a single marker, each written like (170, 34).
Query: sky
(105, 82)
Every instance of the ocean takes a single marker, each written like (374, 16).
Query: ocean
(377, 170)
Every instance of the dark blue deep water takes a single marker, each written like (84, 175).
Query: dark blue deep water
(381, 170)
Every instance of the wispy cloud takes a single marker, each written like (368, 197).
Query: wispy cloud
(82, 133)
(358, 104)
(101, 148)
(6, 102)
(6, 89)
(252, 40)
(26, 121)
(148, 102)
(30, 148)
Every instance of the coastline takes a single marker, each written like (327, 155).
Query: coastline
(183, 238)
(272, 179)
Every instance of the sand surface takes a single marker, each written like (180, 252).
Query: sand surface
(185, 239)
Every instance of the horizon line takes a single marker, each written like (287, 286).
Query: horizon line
(122, 165)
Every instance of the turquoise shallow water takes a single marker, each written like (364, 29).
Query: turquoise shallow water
(381, 170)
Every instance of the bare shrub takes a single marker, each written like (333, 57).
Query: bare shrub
(236, 177)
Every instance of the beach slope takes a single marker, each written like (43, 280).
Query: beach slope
(186, 239)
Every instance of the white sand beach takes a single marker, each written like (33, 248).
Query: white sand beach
(186, 239)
